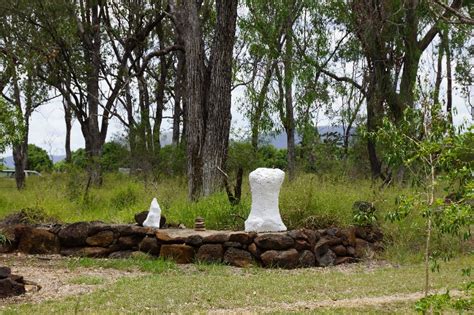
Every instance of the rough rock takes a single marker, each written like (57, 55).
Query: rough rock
(265, 184)
(216, 238)
(102, 239)
(350, 251)
(307, 259)
(328, 259)
(362, 249)
(11, 241)
(73, 235)
(165, 238)
(5, 272)
(348, 236)
(254, 250)
(242, 238)
(38, 241)
(154, 215)
(129, 241)
(370, 234)
(210, 253)
(301, 245)
(11, 286)
(339, 250)
(149, 245)
(194, 240)
(233, 244)
(284, 259)
(274, 241)
(127, 229)
(181, 254)
(237, 257)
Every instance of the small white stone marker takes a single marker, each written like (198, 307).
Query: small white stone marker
(154, 215)
(265, 184)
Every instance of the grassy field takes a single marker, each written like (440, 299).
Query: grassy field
(167, 288)
(310, 201)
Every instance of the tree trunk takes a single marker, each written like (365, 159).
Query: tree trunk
(178, 96)
(208, 94)
(439, 73)
(91, 131)
(449, 90)
(288, 84)
(190, 28)
(68, 121)
(218, 107)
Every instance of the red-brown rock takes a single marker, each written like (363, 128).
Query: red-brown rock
(254, 250)
(210, 253)
(129, 241)
(38, 241)
(181, 254)
(284, 259)
(307, 259)
(339, 250)
(102, 239)
(216, 238)
(274, 241)
(73, 235)
(11, 287)
(238, 257)
(242, 237)
(149, 245)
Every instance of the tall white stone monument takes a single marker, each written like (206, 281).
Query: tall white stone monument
(265, 184)
(154, 215)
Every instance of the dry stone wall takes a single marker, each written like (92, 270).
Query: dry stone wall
(291, 249)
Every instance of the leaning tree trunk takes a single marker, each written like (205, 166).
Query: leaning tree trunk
(218, 107)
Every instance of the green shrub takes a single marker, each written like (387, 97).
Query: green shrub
(38, 159)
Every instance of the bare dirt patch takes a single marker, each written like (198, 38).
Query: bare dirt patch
(56, 280)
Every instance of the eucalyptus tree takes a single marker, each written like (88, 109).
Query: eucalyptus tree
(208, 43)
(20, 87)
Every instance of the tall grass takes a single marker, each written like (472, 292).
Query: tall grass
(310, 200)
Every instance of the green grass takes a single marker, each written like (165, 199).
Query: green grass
(212, 287)
(144, 264)
(88, 280)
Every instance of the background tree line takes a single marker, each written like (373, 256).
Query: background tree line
(356, 61)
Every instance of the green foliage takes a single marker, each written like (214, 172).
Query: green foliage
(124, 198)
(12, 126)
(364, 213)
(114, 155)
(79, 158)
(172, 160)
(38, 159)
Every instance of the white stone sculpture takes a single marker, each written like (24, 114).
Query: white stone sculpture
(264, 215)
(154, 215)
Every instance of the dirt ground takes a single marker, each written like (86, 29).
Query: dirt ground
(50, 279)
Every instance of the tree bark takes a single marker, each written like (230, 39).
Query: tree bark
(288, 84)
(68, 122)
(208, 94)
(178, 97)
(218, 109)
(449, 90)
